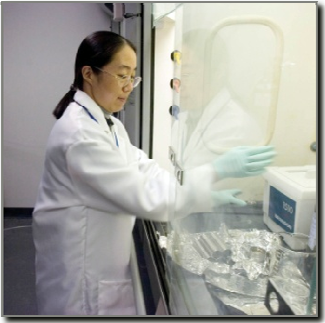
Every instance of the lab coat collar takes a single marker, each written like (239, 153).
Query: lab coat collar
(96, 111)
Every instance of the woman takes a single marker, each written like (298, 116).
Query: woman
(94, 184)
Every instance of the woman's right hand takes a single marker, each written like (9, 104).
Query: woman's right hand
(244, 161)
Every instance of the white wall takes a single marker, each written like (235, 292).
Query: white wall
(39, 44)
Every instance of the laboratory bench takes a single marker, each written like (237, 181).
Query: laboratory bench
(180, 290)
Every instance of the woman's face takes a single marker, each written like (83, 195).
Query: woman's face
(108, 91)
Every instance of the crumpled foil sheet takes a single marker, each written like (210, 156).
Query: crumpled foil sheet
(180, 247)
(231, 251)
(257, 252)
(238, 264)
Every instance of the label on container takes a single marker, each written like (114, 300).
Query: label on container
(282, 210)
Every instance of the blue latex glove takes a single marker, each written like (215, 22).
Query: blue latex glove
(227, 197)
(244, 161)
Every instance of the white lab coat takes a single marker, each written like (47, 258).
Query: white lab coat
(90, 193)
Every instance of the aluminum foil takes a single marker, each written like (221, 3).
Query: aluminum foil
(238, 265)
(181, 249)
(256, 252)
(294, 292)
(237, 283)
(252, 253)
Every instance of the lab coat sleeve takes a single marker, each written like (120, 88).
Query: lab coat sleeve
(104, 181)
(194, 195)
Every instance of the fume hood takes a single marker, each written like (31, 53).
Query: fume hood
(228, 75)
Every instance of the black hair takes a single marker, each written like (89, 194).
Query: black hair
(96, 50)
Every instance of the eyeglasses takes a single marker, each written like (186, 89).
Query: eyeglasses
(125, 79)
